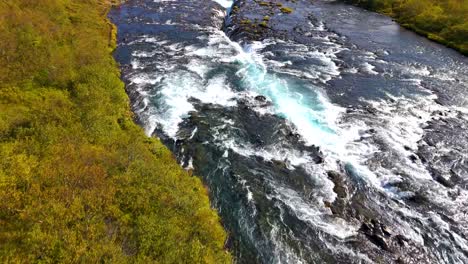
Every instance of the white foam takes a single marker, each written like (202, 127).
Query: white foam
(313, 115)
(144, 54)
(193, 132)
(282, 252)
(368, 68)
(316, 216)
(198, 67)
(417, 70)
(324, 68)
(335, 247)
(224, 3)
(290, 157)
(143, 79)
(179, 87)
(136, 64)
(319, 27)
(190, 164)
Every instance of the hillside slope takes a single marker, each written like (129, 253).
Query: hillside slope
(79, 181)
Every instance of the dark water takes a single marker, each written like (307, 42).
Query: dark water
(341, 140)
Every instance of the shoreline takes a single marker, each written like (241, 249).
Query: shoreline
(412, 26)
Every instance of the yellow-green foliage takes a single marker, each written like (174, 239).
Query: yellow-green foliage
(286, 10)
(445, 21)
(79, 181)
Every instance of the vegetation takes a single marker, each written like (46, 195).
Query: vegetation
(263, 24)
(286, 10)
(79, 181)
(445, 21)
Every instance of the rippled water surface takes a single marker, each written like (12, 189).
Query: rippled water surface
(348, 145)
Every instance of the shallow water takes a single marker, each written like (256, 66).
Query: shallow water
(347, 147)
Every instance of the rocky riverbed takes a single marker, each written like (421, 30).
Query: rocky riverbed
(324, 133)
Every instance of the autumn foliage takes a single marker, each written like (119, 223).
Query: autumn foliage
(79, 181)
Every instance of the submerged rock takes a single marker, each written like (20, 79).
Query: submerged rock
(260, 98)
(279, 19)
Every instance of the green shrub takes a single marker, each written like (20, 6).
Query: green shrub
(79, 181)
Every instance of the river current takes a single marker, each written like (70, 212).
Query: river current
(342, 141)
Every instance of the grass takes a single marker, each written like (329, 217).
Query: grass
(79, 180)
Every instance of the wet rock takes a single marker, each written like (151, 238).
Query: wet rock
(413, 158)
(371, 110)
(445, 182)
(277, 19)
(386, 230)
(395, 245)
(366, 228)
(417, 198)
(381, 242)
(280, 164)
(258, 140)
(402, 241)
(446, 167)
(328, 204)
(338, 179)
(319, 158)
(334, 175)
(377, 233)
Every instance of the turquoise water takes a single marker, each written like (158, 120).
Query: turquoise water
(298, 101)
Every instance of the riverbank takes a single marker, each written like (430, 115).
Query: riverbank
(441, 21)
(79, 180)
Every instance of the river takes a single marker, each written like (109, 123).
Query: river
(332, 135)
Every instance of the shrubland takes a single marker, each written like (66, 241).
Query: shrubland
(79, 180)
(445, 21)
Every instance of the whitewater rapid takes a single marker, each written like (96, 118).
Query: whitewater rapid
(263, 125)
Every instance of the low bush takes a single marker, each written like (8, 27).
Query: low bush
(79, 180)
